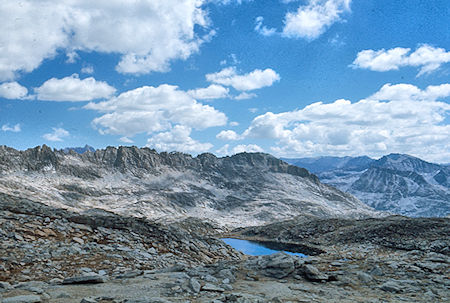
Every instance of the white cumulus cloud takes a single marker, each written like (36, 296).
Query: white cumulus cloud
(398, 118)
(213, 91)
(151, 109)
(74, 89)
(148, 34)
(228, 135)
(177, 139)
(254, 80)
(15, 129)
(425, 57)
(57, 135)
(13, 90)
(312, 20)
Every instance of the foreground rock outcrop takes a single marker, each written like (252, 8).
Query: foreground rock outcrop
(245, 189)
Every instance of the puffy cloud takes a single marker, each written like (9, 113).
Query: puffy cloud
(73, 89)
(254, 80)
(149, 34)
(263, 30)
(213, 91)
(228, 135)
(312, 20)
(57, 135)
(249, 148)
(410, 92)
(13, 90)
(153, 109)
(427, 57)
(398, 118)
(15, 129)
(177, 139)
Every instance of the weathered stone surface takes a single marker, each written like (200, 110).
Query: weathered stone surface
(364, 277)
(313, 274)
(23, 299)
(195, 285)
(278, 265)
(212, 287)
(391, 286)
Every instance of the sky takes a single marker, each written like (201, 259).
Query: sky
(293, 78)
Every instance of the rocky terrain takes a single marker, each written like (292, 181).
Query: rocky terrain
(396, 183)
(245, 189)
(129, 225)
(53, 255)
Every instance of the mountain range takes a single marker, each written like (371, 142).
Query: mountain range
(244, 189)
(396, 183)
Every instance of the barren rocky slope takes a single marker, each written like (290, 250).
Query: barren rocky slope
(245, 189)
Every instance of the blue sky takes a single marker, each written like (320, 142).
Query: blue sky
(291, 78)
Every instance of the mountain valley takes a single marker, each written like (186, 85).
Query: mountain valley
(395, 183)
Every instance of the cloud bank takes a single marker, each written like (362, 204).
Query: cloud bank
(398, 118)
(151, 109)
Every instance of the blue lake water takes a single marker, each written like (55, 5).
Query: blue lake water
(254, 248)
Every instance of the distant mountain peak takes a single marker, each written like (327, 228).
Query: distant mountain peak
(79, 150)
(399, 183)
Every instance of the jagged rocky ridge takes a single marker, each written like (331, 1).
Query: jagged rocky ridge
(396, 183)
(245, 189)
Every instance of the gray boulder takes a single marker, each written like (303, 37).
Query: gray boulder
(313, 274)
(277, 265)
(391, 286)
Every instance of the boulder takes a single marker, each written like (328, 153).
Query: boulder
(195, 285)
(277, 265)
(391, 286)
(313, 274)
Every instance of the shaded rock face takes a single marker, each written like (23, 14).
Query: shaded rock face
(245, 189)
(396, 183)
